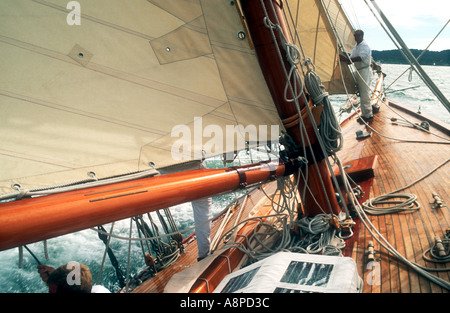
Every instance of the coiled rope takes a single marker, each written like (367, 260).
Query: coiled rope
(410, 204)
(329, 129)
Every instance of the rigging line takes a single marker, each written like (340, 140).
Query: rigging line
(330, 130)
(141, 227)
(406, 140)
(437, 257)
(112, 258)
(287, 199)
(156, 243)
(331, 121)
(294, 35)
(322, 146)
(409, 205)
(129, 257)
(34, 256)
(421, 178)
(412, 59)
(104, 253)
(416, 126)
(423, 52)
(403, 89)
(327, 242)
(375, 233)
(342, 75)
(301, 125)
(293, 189)
(353, 13)
(387, 32)
(92, 181)
(252, 251)
(282, 217)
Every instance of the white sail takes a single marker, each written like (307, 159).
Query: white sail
(109, 86)
(99, 86)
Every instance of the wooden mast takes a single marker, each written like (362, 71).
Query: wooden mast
(275, 75)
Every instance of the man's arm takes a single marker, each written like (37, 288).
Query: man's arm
(345, 58)
(356, 59)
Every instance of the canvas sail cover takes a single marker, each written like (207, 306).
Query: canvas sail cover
(110, 86)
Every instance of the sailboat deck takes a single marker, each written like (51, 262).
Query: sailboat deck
(400, 163)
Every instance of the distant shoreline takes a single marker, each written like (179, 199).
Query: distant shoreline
(441, 58)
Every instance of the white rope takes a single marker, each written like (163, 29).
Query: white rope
(315, 233)
(329, 129)
(296, 96)
(410, 204)
(293, 56)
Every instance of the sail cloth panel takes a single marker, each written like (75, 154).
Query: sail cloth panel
(104, 96)
(322, 28)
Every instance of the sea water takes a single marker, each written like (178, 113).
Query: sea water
(405, 87)
(85, 246)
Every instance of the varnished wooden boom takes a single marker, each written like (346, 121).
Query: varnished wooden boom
(32, 220)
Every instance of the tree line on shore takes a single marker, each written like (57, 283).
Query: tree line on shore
(428, 58)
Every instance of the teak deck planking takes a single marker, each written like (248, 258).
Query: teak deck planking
(399, 164)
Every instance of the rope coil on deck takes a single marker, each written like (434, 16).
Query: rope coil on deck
(408, 205)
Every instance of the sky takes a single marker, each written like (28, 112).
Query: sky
(417, 22)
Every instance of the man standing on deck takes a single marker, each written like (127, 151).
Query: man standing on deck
(361, 57)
